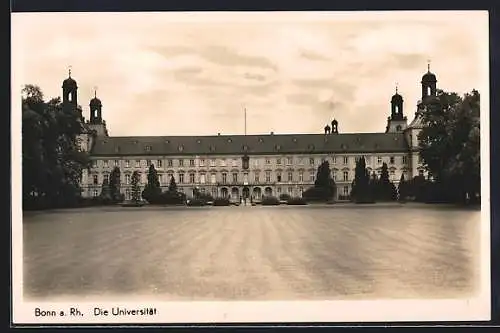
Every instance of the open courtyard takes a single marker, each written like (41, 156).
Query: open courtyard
(252, 253)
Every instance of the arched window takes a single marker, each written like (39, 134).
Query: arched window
(397, 109)
(398, 128)
(428, 91)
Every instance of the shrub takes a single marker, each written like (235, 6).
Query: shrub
(196, 203)
(270, 201)
(296, 201)
(172, 198)
(221, 202)
(317, 194)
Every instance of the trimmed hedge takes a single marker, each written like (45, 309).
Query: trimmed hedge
(296, 201)
(196, 203)
(270, 201)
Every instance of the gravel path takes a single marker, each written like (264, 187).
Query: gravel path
(251, 253)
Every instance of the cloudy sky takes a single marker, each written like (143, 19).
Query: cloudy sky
(187, 73)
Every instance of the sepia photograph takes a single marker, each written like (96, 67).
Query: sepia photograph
(250, 167)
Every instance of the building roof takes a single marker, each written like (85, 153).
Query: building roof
(265, 144)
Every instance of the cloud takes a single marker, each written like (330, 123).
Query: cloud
(168, 73)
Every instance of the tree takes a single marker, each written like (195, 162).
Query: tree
(361, 190)
(450, 144)
(152, 190)
(52, 160)
(324, 186)
(402, 188)
(386, 190)
(172, 187)
(136, 188)
(105, 196)
(115, 185)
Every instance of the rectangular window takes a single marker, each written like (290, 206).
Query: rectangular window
(117, 163)
(256, 162)
(346, 160)
(311, 176)
(235, 162)
(346, 190)
(158, 163)
(223, 162)
(334, 159)
(379, 159)
(94, 163)
(278, 177)
(334, 175)
(96, 193)
(181, 178)
(105, 178)
(301, 177)
(311, 161)
(404, 160)
(268, 161)
(148, 163)
(289, 161)
(170, 162)
(127, 179)
(278, 161)
(137, 163)
(212, 162)
(391, 160)
(202, 162)
(202, 178)
(257, 177)
(127, 194)
(191, 163)
(105, 163)
(95, 180)
(191, 178)
(235, 177)
(181, 163)
(127, 163)
(290, 190)
(212, 178)
(245, 177)
(170, 176)
(268, 176)
(346, 176)
(290, 176)
(224, 178)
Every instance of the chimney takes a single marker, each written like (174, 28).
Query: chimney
(272, 133)
(218, 134)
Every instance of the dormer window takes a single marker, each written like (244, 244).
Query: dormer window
(278, 147)
(148, 148)
(198, 141)
(294, 139)
(245, 147)
(180, 148)
(212, 148)
(261, 140)
(229, 140)
(167, 141)
(310, 147)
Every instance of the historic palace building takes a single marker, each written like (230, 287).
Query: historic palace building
(243, 165)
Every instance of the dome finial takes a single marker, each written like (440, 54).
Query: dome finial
(428, 65)
(396, 87)
(69, 71)
(95, 91)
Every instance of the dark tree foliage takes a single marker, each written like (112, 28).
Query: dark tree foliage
(324, 188)
(152, 190)
(402, 189)
(105, 197)
(385, 191)
(172, 187)
(52, 162)
(362, 191)
(450, 146)
(136, 187)
(115, 185)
